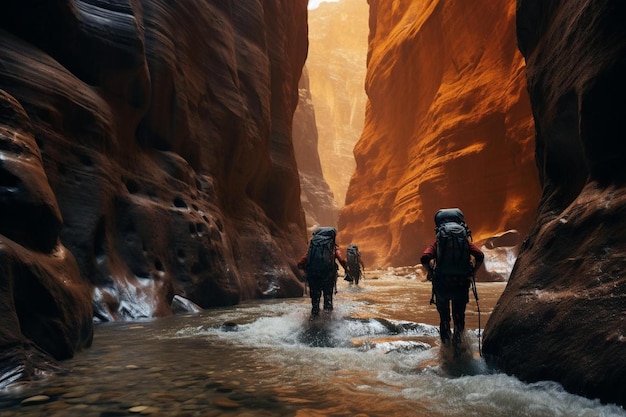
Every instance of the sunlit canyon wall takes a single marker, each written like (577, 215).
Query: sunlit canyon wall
(336, 63)
(145, 152)
(317, 199)
(448, 124)
(562, 316)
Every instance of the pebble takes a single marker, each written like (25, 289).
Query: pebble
(137, 409)
(36, 399)
(224, 402)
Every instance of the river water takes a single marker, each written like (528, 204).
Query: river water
(377, 354)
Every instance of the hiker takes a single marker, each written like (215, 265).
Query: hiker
(354, 264)
(451, 261)
(320, 267)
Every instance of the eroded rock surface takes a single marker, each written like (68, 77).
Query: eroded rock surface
(562, 316)
(336, 61)
(317, 198)
(45, 304)
(448, 124)
(154, 159)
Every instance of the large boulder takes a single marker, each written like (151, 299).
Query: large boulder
(563, 314)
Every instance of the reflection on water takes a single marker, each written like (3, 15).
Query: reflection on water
(377, 354)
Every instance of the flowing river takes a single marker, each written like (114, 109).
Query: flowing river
(377, 354)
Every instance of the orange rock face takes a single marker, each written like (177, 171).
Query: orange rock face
(448, 124)
(317, 198)
(336, 62)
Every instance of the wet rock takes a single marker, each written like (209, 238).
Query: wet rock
(229, 327)
(181, 305)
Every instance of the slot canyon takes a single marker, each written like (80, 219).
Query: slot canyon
(163, 157)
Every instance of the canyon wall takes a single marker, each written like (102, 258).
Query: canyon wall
(317, 199)
(448, 124)
(337, 63)
(563, 314)
(145, 153)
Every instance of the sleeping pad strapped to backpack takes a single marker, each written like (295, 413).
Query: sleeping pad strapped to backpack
(453, 254)
(320, 263)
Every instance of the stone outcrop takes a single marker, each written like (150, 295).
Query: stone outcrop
(44, 302)
(337, 62)
(563, 314)
(448, 124)
(146, 153)
(317, 199)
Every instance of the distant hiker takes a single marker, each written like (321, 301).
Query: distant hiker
(354, 264)
(449, 263)
(320, 267)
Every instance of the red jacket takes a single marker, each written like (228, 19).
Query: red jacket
(430, 253)
(342, 261)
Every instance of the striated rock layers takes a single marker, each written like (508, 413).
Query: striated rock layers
(448, 124)
(562, 316)
(44, 302)
(336, 61)
(317, 198)
(145, 152)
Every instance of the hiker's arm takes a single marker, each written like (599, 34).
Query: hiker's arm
(302, 262)
(478, 255)
(428, 255)
(341, 260)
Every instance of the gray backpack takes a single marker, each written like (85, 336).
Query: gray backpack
(452, 234)
(321, 254)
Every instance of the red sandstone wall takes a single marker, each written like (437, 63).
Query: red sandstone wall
(151, 156)
(448, 124)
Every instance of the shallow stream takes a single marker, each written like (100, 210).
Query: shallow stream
(377, 354)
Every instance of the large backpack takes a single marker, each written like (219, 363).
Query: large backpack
(453, 254)
(352, 255)
(321, 254)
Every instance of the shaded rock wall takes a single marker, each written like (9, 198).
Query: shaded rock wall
(563, 314)
(148, 154)
(448, 124)
(337, 64)
(317, 198)
(45, 304)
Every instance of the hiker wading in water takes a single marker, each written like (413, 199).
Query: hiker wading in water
(355, 264)
(320, 267)
(451, 261)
